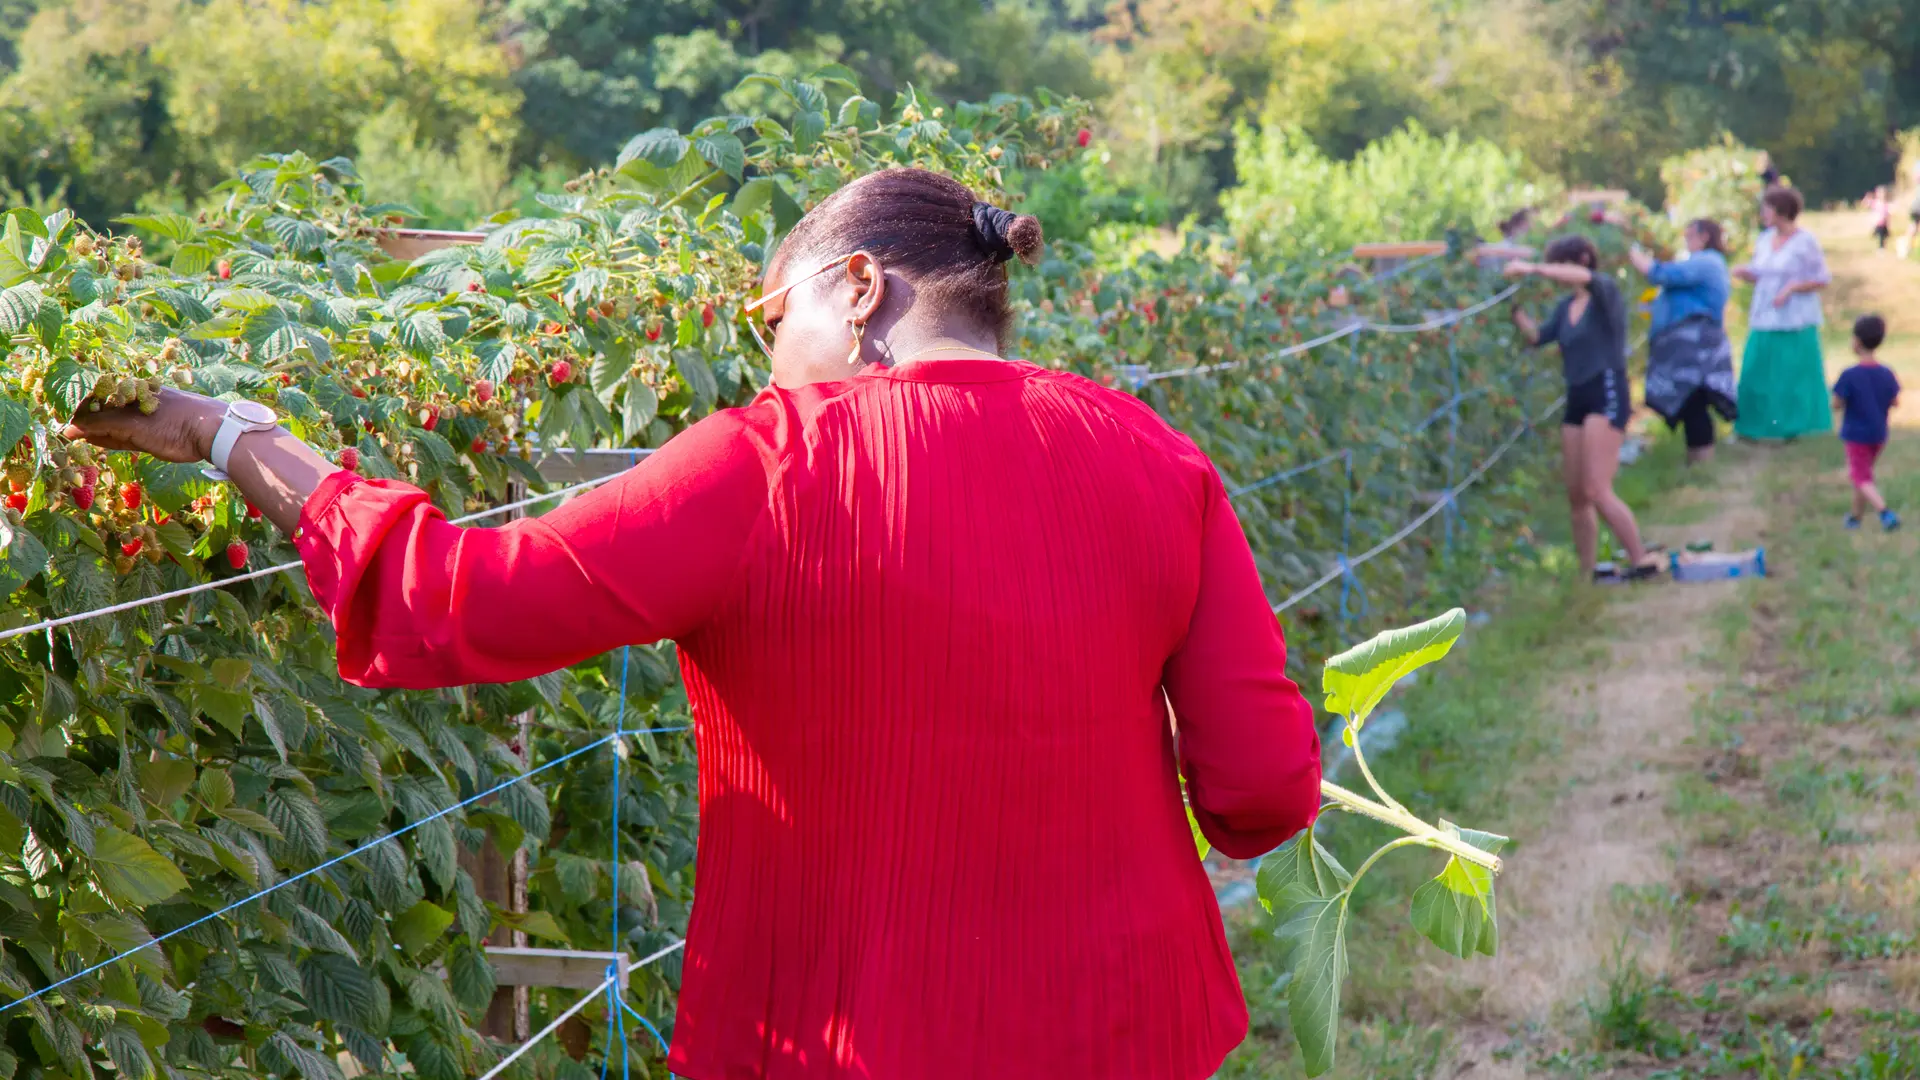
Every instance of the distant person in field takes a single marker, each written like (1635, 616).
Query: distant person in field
(1689, 358)
(1769, 176)
(1783, 383)
(1864, 394)
(1590, 326)
(1905, 246)
(1880, 205)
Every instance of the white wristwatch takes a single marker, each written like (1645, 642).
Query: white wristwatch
(241, 418)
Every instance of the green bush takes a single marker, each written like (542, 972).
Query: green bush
(1293, 201)
(1721, 182)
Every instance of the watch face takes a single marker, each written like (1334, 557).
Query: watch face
(253, 412)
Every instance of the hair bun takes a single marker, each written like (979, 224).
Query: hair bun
(1005, 235)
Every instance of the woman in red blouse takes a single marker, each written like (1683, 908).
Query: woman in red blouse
(931, 607)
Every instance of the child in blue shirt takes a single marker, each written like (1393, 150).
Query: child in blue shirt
(1866, 392)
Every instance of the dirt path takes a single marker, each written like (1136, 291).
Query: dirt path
(1605, 826)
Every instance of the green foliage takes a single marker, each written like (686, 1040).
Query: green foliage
(1721, 182)
(1296, 202)
(1310, 893)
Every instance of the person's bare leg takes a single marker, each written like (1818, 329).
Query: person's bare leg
(1586, 529)
(1867, 494)
(1601, 454)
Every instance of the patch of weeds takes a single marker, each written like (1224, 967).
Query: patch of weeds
(1624, 1019)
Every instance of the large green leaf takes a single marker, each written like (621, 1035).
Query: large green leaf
(337, 988)
(15, 423)
(420, 926)
(1317, 959)
(1357, 679)
(1298, 871)
(661, 147)
(1456, 910)
(130, 872)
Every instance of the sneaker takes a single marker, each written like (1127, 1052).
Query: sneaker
(1889, 520)
(1852, 522)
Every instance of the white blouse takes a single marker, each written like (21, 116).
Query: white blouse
(1799, 259)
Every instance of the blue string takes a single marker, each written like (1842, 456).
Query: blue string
(1289, 474)
(329, 864)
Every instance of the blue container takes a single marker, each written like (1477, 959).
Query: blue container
(1717, 566)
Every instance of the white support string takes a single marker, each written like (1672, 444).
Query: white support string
(1347, 565)
(571, 1012)
(209, 586)
(1439, 323)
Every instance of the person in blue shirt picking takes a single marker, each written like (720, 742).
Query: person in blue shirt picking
(1865, 393)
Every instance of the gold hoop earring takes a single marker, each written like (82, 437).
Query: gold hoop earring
(853, 355)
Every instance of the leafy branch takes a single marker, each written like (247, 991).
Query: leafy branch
(1311, 894)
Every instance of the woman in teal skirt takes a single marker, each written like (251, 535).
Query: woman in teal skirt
(1783, 380)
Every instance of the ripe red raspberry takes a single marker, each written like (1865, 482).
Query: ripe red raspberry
(706, 315)
(90, 475)
(83, 497)
(17, 501)
(473, 286)
(479, 445)
(132, 547)
(433, 420)
(357, 392)
(224, 269)
(350, 459)
(1083, 137)
(237, 555)
(559, 373)
(132, 495)
(252, 510)
(483, 391)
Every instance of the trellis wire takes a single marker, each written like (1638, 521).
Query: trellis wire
(281, 568)
(1345, 565)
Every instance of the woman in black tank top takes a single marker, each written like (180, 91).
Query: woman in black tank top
(1590, 326)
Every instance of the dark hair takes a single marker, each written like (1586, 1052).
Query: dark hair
(1522, 216)
(1870, 330)
(1785, 201)
(929, 228)
(1709, 228)
(1573, 249)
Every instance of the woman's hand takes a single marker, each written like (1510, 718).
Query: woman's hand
(1528, 328)
(1642, 260)
(1785, 294)
(181, 429)
(1517, 268)
(1745, 273)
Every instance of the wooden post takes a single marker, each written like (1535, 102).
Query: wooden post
(1385, 258)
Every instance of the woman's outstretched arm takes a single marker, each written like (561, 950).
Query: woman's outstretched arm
(417, 602)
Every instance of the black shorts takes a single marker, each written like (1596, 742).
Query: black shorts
(1603, 395)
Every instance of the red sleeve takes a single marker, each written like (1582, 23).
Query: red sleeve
(417, 602)
(1248, 748)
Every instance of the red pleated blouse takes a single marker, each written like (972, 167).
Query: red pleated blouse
(926, 617)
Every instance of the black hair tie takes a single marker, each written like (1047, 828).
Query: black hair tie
(990, 225)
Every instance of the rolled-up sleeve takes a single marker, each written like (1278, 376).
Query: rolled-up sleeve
(418, 602)
(1248, 748)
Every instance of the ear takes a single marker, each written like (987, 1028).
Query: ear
(868, 276)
